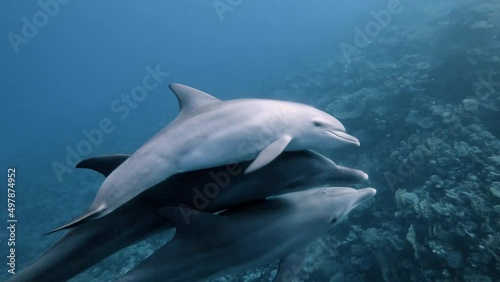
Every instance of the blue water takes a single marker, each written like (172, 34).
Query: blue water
(419, 71)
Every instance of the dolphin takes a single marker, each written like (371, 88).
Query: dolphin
(209, 132)
(212, 245)
(87, 244)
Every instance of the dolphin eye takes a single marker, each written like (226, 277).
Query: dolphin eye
(334, 220)
(317, 123)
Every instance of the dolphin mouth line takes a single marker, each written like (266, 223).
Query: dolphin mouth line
(344, 136)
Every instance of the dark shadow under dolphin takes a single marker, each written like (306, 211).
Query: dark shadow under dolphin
(209, 190)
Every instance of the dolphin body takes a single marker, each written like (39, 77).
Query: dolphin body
(209, 132)
(212, 245)
(87, 244)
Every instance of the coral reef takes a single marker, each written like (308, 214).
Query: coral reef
(426, 98)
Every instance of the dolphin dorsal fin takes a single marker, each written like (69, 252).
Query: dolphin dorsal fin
(104, 164)
(190, 98)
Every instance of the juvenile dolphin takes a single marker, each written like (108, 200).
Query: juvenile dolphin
(87, 244)
(209, 132)
(248, 236)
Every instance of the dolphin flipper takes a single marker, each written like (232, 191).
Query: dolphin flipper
(269, 153)
(290, 266)
(103, 164)
(88, 215)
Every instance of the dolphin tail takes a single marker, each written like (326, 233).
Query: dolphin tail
(81, 219)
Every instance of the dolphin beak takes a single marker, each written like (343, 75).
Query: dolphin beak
(363, 195)
(345, 174)
(345, 137)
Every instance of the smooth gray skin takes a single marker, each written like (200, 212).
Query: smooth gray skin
(209, 132)
(247, 236)
(87, 244)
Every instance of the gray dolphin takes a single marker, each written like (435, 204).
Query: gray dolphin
(209, 132)
(245, 237)
(87, 244)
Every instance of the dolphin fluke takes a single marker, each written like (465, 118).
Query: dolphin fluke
(88, 215)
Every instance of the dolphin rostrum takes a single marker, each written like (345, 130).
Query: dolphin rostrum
(245, 237)
(87, 244)
(209, 132)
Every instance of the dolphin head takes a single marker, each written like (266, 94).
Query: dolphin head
(322, 208)
(307, 169)
(339, 201)
(332, 130)
(321, 130)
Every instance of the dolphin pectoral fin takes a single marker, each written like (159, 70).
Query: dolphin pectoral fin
(190, 98)
(269, 153)
(103, 164)
(290, 266)
(88, 215)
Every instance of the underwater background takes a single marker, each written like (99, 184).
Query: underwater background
(418, 82)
